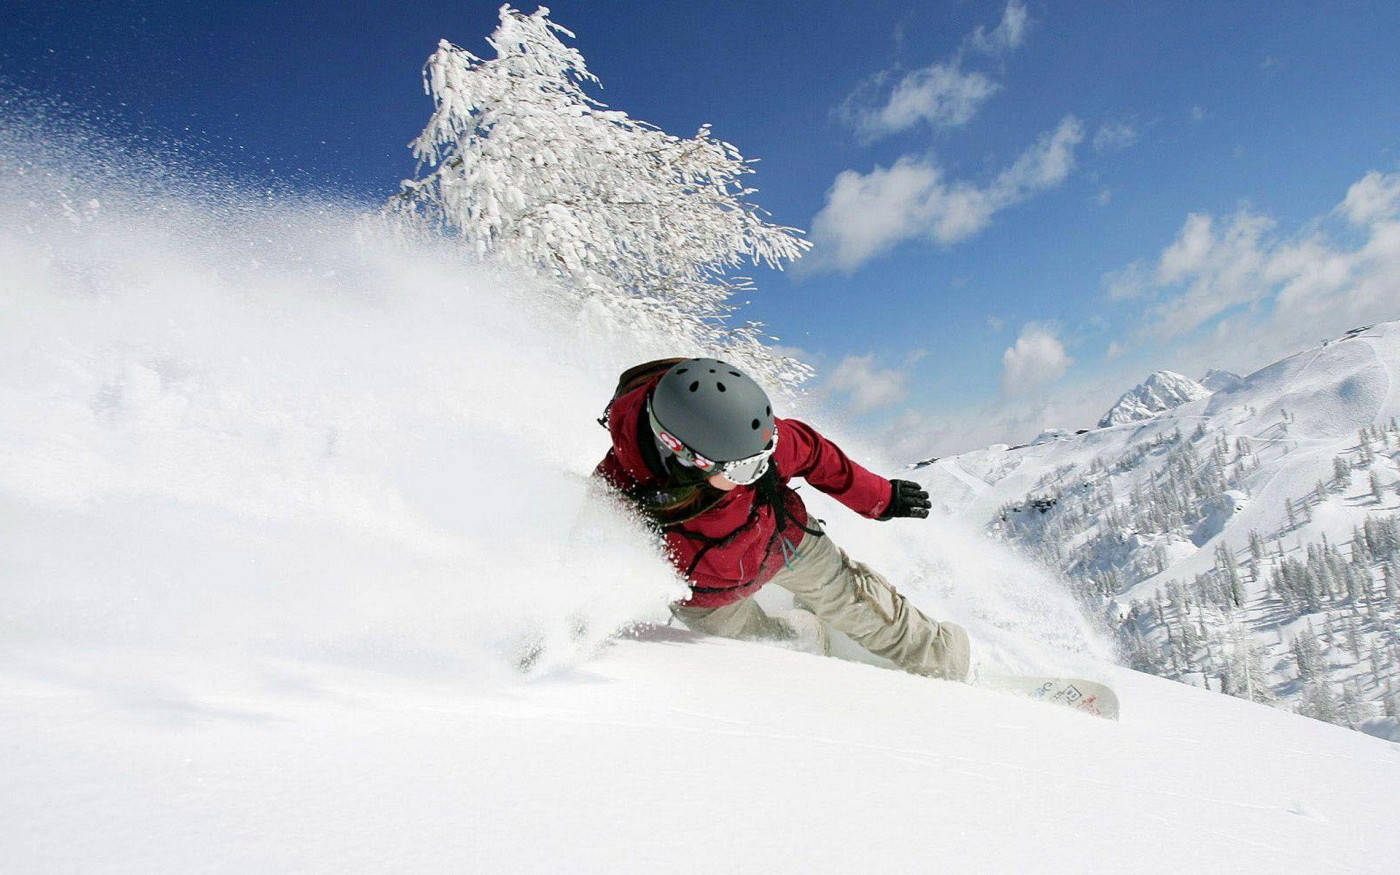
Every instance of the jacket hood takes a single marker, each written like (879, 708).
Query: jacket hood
(631, 435)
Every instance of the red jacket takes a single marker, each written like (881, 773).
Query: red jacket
(734, 539)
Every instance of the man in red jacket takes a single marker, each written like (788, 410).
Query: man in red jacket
(696, 447)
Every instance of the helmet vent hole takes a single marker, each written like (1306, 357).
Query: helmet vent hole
(681, 370)
(755, 425)
(694, 386)
(712, 370)
(735, 374)
(768, 411)
(719, 386)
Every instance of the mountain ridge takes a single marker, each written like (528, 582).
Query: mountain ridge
(1226, 536)
(1160, 392)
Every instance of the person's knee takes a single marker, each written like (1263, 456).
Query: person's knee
(957, 651)
(694, 619)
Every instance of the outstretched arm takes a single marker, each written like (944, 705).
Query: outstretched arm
(803, 452)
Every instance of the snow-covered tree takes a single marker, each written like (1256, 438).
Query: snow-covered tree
(527, 168)
(1376, 657)
(1307, 655)
(1363, 445)
(1341, 472)
(1245, 676)
(1353, 705)
(1257, 550)
(1229, 569)
(1318, 702)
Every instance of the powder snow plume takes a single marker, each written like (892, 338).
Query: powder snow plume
(232, 420)
(256, 425)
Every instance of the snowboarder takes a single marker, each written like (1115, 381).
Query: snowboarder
(696, 447)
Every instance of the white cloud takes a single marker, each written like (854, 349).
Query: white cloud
(1132, 281)
(942, 95)
(1011, 420)
(1037, 358)
(1104, 197)
(1220, 268)
(1329, 287)
(1374, 197)
(1186, 254)
(1268, 294)
(866, 386)
(868, 214)
(1291, 291)
(1198, 113)
(1115, 136)
(1009, 33)
(1044, 165)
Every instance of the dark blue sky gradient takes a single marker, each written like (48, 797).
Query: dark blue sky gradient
(1279, 106)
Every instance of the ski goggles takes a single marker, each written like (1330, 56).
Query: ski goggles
(741, 472)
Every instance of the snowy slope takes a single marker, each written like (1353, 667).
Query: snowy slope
(1335, 390)
(1160, 392)
(1217, 380)
(671, 752)
(287, 503)
(1131, 510)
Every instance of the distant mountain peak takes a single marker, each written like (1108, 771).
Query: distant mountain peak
(1221, 381)
(1159, 393)
(1267, 513)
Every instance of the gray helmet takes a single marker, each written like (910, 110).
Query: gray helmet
(714, 409)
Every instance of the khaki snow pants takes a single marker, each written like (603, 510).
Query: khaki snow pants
(848, 596)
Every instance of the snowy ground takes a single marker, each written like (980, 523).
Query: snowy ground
(284, 502)
(678, 753)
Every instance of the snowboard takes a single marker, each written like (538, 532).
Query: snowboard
(1089, 697)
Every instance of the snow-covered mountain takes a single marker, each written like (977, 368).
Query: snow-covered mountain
(1162, 391)
(286, 504)
(1221, 381)
(1248, 540)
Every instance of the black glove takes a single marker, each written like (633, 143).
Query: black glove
(907, 499)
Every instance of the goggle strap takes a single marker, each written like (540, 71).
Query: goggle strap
(685, 453)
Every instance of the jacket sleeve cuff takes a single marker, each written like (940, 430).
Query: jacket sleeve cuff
(883, 511)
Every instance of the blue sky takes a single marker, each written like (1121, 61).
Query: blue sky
(1019, 209)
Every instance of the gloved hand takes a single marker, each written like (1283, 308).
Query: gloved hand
(907, 499)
